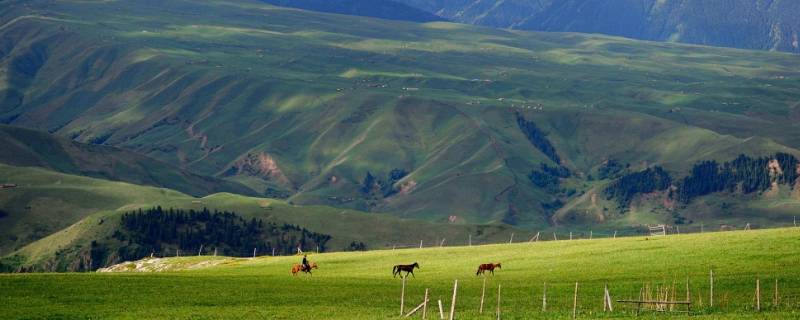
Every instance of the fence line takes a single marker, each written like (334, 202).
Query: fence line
(532, 237)
(567, 235)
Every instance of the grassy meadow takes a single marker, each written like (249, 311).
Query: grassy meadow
(359, 285)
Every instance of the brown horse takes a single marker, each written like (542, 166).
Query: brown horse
(487, 267)
(299, 267)
(408, 268)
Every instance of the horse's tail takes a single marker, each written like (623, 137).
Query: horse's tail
(394, 269)
(479, 271)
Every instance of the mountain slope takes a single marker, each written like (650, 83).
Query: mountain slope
(438, 121)
(746, 24)
(384, 9)
(25, 147)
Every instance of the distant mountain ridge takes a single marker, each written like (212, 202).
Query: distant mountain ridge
(384, 9)
(745, 24)
(26, 147)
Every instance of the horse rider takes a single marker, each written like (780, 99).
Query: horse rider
(305, 265)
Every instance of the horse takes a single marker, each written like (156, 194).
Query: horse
(408, 268)
(487, 266)
(299, 267)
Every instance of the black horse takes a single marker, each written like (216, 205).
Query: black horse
(408, 268)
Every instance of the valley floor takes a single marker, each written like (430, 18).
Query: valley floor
(359, 285)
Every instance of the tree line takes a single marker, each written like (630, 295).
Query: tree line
(744, 175)
(157, 229)
(537, 138)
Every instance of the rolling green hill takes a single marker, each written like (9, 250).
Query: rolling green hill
(360, 285)
(52, 218)
(322, 109)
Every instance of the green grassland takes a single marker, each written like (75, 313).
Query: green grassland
(359, 285)
(202, 85)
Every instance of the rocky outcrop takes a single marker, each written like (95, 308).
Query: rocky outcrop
(260, 165)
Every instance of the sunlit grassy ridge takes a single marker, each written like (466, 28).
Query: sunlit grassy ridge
(204, 84)
(53, 215)
(360, 286)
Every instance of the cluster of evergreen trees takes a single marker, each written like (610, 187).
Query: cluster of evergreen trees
(549, 178)
(537, 138)
(624, 189)
(356, 246)
(744, 174)
(611, 169)
(372, 185)
(157, 230)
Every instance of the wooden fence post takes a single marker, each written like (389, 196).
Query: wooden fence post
(483, 294)
(425, 306)
(688, 294)
(570, 235)
(441, 244)
(711, 292)
(554, 236)
(575, 302)
(273, 251)
(403, 297)
(441, 311)
(215, 251)
(591, 233)
(776, 300)
(498, 301)
(615, 234)
(544, 298)
(758, 294)
(470, 240)
(453, 302)
(200, 252)
(254, 252)
(512, 238)
(420, 244)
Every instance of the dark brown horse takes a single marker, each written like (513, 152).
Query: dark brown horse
(408, 268)
(487, 267)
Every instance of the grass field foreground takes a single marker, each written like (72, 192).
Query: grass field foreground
(359, 285)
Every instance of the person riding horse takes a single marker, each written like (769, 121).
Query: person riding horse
(306, 266)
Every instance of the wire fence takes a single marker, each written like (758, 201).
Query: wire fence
(564, 234)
